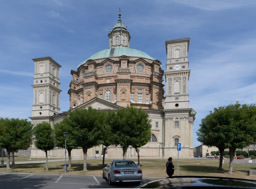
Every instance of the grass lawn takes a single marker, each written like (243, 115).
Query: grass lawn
(17, 159)
(150, 168)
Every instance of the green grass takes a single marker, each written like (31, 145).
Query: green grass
(150, 168)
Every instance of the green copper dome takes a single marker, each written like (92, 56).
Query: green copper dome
(116, 52)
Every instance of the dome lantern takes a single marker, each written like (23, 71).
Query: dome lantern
(119, 37)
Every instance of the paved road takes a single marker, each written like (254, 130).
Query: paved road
(54, 181)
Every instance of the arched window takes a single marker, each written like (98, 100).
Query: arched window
(117, 40)
(153, 138)
(177, 53)
(41, 98)
(108, 68)
(108, 95)
(176, 141)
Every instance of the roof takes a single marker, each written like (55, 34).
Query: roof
(117, 52)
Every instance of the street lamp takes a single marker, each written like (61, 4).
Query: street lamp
(65, 164)
(2, 154)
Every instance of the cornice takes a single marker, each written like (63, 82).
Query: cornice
(46, 58)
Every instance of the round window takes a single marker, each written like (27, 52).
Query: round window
(140, 68)
(108, 68)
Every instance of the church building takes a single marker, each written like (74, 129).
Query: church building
(115, 78)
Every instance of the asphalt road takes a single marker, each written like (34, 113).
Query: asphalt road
(43, 181)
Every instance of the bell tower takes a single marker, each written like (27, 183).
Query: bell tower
(177, 74)
(179, 118)
(46, 88)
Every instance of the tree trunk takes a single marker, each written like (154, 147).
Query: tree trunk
(231, 158)
(69, 158)
(124, 152)
(138, 153)
(13, 161)
(103, 159)
(221, 159)
(8, 160)
(46, 162)
(85, 159)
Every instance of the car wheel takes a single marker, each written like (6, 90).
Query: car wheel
(109, 180)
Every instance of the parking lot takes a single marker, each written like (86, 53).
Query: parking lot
(54, 181)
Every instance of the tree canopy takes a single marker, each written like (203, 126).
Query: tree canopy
(132, 128)
(44, 139)
(15, 134)
(86, 127)
(59, 129)
(232, 126)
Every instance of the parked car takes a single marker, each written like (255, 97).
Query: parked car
(240, 157)
(122, 171)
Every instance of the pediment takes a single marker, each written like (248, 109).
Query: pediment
(99, 104)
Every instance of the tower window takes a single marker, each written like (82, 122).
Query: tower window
(176, 105)
(177, 123)
(176, 141)
(153, 138)
(100, 95)
(156, 124)
(177, 53)
(117, 40)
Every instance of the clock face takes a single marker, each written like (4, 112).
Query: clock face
(177, 67)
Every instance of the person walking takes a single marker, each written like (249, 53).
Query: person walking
(169, 167)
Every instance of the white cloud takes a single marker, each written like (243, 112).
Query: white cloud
(163, 22)
(216, 5)
(223, 78)
(17, 73)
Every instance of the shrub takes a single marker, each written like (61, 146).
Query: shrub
(226, 156)
(215, 153)
(243, 153)
(253, 157)
(252, 152)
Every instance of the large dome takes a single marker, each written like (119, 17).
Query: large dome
(116, 52)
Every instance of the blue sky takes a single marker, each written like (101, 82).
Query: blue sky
(222, 48)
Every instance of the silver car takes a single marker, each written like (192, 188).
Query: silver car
(122, 171)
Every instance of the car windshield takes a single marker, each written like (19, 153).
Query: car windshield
(125, 164)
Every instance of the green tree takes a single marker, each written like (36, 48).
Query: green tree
(107, 132)
(59, 129)
(86, 128)
(212, 131)
(132, 128)
(242, 128)
(141, 127)
(44, 139)
(232, 127)
(15, 134)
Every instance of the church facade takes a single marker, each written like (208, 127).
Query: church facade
(115, 78)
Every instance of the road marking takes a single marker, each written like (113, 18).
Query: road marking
(59, 178)
(96, 180)
(27, 176)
